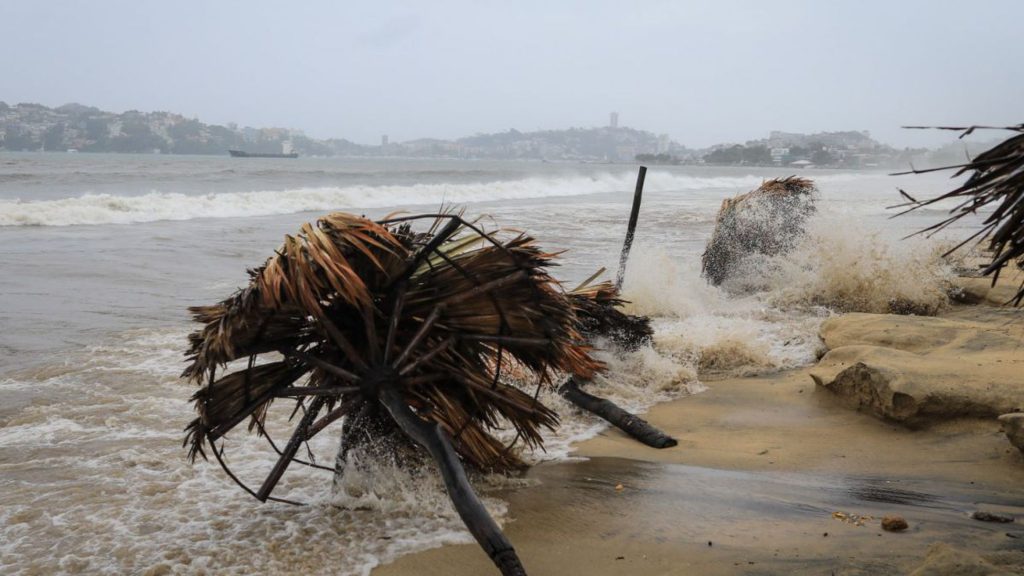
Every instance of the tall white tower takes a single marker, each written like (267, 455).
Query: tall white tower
(613, 120)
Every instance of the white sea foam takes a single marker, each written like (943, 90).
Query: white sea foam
(847, 266)
(155, 205)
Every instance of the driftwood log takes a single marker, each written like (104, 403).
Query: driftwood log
(404, 336)
(766, 221)
(631, 424)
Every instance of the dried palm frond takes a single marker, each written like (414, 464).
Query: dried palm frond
(407, 333)
(356, 307)
(598, 310)
(996, 178)
(765, 221)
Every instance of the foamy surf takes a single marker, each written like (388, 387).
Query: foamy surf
(153, 206)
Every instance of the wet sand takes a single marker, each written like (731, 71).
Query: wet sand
(762, 464)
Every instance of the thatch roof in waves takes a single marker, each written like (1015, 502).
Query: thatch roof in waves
(996, 180)
(766, 221)
(350, 309)
(598, 309)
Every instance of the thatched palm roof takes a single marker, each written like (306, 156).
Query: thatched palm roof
(598, 309)
(996, 178)
(766, 221)
(349, 308)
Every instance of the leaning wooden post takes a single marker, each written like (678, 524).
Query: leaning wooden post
(633, 217)
(467, 503)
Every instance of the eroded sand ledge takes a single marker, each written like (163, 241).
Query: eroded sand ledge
(762, 463)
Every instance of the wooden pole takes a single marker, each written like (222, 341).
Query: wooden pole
(298, 437)
(467, 503)
(633, 217)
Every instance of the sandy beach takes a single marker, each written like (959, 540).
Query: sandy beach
(777, 475)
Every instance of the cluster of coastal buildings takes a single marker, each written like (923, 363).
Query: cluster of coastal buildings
(74, 127)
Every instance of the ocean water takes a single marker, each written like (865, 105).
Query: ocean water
(101, 254)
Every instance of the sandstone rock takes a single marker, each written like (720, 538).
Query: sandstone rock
(944, 560)
(981, 291)
(1013, 427)
(985, 516)
(922, 335)
(913, 370)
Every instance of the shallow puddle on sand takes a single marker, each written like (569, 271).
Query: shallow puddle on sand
(761, 522)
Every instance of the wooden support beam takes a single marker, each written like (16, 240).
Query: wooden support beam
(520, 340)
(339, 338)
(427, 357)
(331, 417)
(467, 503)
(419, 336)
(315, 391)
(323, 364)
(298, 437)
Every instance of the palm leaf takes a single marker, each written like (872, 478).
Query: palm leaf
(996, 179)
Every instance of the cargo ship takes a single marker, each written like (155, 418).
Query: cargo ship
(286, 152)
(244, 154)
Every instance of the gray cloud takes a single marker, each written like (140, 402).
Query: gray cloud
(704, 72)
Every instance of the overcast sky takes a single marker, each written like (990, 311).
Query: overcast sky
(703, 72)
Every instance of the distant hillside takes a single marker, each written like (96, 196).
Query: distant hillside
(848, 149)
(87, 129)
(611, 144)
(35, 127)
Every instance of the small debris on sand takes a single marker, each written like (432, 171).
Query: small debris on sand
(894, 524)
(855, 519)
(983, 516)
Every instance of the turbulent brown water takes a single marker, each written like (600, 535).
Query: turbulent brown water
(100, 255)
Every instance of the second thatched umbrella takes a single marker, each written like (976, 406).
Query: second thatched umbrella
(763, 222)
(362, 317)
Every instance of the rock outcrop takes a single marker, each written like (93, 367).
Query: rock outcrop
(914, 370)
(945, 560)
(1013, 427)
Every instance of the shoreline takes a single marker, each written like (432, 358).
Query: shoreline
(761, 465)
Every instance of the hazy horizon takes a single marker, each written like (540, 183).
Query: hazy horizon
(702, 73)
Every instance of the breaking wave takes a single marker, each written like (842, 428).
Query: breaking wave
(93, 209)
(850, 267)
